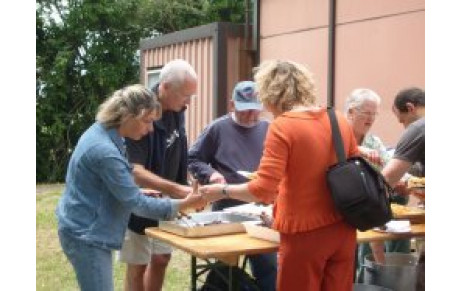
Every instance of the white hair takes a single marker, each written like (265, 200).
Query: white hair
(176, 71)
(358, 96)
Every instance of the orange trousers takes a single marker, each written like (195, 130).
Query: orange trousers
(321, 259)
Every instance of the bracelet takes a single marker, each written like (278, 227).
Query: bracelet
(224, 190)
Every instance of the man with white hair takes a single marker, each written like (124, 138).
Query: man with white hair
(159, 162)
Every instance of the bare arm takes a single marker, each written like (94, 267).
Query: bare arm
(215, 192)
(240, 192)
(392, 172)
(395, 170)
(145, 178)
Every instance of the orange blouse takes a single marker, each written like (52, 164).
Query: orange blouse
(292, 172)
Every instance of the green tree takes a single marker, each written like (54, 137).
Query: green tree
(87, 49)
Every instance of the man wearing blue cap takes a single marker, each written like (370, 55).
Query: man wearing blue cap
(231, 143)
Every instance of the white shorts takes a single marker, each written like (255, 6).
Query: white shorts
(137, 249)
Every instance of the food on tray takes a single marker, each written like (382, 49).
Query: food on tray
(253, 209)
(206, 224)
(189, 222)
(252, 175)
(215, 222)
(416, 182)
(400, 210)
(248, 175)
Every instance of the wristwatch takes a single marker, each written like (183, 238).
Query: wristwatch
(224, 191)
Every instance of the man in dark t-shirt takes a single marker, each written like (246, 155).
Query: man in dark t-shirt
(159, 162)
(231, 143)
(409, 150)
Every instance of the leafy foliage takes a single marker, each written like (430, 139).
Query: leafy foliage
(88, 49)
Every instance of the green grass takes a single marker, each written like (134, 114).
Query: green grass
(54, 272)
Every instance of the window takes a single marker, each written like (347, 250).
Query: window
(153, 75)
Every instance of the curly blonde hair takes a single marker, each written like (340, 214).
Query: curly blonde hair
(284, 84)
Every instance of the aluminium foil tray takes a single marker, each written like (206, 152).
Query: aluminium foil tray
(205, 224)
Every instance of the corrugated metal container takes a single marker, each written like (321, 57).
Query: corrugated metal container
(218, 54)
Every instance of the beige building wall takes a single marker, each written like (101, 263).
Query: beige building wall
(380, 44)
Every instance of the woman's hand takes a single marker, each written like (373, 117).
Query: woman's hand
(212, 192)
(195, 186)
(193, 200)
(371, 155)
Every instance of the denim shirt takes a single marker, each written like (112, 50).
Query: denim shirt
(100, 191)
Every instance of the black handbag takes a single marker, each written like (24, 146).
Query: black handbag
(359, 191)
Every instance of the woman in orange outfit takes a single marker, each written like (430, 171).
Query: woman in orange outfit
(317, 247)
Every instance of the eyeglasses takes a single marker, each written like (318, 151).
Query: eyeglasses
(366, 113)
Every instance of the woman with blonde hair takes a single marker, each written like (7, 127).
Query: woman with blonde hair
(100, 191)
(317, 247)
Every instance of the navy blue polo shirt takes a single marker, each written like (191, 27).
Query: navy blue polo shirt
(163, 152)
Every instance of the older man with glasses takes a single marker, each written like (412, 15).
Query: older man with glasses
(160, 162)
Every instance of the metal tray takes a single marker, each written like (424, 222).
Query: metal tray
(203, 224)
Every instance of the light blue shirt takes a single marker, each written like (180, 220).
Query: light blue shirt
(373, 142)
(101, 193)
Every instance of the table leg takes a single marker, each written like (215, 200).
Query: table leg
(230, 279)
(355, 265)
(194, 274)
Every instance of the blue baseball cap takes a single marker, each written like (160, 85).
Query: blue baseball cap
(245, 96)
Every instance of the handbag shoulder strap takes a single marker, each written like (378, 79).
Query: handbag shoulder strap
(336, 136)
(340, 152)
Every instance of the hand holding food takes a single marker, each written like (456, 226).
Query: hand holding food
(213, 192)
(371, 155)
(193, 200)
(217, 178)
(195, 186)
